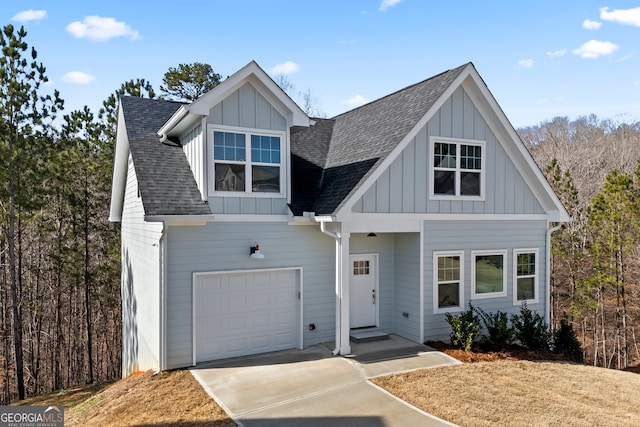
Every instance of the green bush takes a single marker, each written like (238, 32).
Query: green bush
(530, 329)
(565, 342)
(499, 334)
(465, 328)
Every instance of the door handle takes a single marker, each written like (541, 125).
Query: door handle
(373, 296)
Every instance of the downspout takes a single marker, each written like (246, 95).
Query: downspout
(162, 259)
(338, 240)
(547, 300)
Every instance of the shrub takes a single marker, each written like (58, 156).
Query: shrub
(465, 328)
(530, 329)
(499, 334)
(565, 342)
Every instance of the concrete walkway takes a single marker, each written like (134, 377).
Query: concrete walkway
(312, 388)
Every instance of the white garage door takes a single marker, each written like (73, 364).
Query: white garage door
(237, 314)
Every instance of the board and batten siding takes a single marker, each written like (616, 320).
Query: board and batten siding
(194, 150)
(139, 287)
(225, 247)
(246, 108)
(470, 236)
(404, 186)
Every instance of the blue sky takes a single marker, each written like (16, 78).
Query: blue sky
(540, 59)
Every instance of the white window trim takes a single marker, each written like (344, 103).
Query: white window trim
(536, 281)
(284, 144)
(505, 263)
(459, 308)
(482, 170)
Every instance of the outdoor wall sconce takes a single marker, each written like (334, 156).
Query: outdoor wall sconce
(254, 251)
(372, 235)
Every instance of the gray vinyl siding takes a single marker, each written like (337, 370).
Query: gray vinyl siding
(247, 108)
(407, 288)
(382, 245)
(140, 279)
(404, 186)
(194, 150)
(225, 247)
(468, 236)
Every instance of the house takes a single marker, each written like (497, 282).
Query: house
(249, 227)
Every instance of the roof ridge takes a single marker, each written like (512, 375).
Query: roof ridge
(403, 89)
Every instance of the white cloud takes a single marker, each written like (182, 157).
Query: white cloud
(525, 63)
(288, 67)
(29, 15)
(386, 4)
(78, 77)
(621, 16)
(555, 53)
(594, 49)
(356, 101)
(588, 24)
(98, 28)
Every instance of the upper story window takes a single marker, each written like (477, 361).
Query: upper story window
(247, 162)
(458, 168)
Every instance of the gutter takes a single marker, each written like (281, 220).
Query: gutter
(338, 238)
(547, 301)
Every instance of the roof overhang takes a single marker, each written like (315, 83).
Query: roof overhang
(120, 170)
(180, 219)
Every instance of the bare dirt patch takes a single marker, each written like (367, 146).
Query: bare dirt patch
(169, 398)
(502, 389)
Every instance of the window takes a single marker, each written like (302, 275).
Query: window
(448, 279)
(247, 162)
(525, 281)
(360, 268)
(458, 168)
(488, 274)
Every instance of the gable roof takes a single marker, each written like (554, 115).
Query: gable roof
(165, 182)
(352, 144)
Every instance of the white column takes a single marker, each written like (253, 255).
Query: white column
(345, 266)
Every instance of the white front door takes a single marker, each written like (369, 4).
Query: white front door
(363, 298)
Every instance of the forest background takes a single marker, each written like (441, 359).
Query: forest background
(60, 319)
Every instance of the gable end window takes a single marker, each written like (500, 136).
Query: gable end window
(525, 281)
(247, 162)
(488, 274)
(448, 281)
(457, 168)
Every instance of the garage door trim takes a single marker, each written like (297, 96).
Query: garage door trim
(196, 275)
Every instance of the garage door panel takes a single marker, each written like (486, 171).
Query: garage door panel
(246, 313)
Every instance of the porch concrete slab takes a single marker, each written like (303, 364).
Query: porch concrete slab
(313, 388)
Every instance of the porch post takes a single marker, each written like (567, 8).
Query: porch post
(345, 266)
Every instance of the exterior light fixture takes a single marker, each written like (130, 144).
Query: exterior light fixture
(372, 235)
(254, 251)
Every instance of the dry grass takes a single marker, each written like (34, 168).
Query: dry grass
(169, 398)
(522, 393)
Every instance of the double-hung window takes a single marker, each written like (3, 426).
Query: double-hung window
(488, 274)
(448, 280)
(247, 162)
(457, 168)
(525, 282)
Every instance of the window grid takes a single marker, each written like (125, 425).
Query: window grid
(239, 170)
(457, 169)
(526, 277)
(360, 268)
(448, 281)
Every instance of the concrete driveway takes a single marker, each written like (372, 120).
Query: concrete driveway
(312, 388)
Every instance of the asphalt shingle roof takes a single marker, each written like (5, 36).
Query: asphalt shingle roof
(165, 181)
(347, 147)
(329, 160)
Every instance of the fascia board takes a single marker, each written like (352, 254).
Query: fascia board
(252, 72)
(482, 97)
(180, 219)
(120, 169)
(351, 199)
